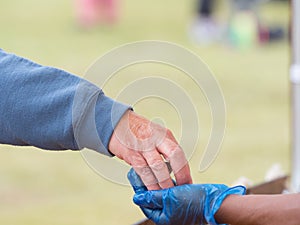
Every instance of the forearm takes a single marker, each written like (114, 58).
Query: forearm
(260, 210)
(52, 109)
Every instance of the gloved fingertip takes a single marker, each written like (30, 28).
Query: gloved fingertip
(135, 181)
(131, 175)
(139, 199)
(149, 199)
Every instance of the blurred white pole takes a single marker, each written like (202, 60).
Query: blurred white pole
(295, 85)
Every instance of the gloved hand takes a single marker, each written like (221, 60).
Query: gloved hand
(181, 205)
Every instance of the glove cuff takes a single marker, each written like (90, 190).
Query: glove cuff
(210, 216)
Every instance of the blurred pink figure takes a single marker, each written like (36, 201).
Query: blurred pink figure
(92, 12)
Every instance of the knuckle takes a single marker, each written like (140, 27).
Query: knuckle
(169, 133)
(157, 165)
(145, 171)
(136, 159)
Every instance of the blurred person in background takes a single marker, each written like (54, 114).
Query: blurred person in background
(243, 29)
(52, 109)
(205, 29)
(90, 13)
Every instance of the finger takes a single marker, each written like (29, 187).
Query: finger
(149, 199)
(182, 177)
(175, 155)
(171, 137)
(136, 181)
(141, 167)
(156, 215)
(180, 167)
(158, 168)
(147, 177)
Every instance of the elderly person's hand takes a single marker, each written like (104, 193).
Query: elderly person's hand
(146, 146)
(181, 205)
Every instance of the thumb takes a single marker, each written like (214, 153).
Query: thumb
(149, 199)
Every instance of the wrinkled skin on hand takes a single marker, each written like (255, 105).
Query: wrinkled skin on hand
(146, 146)
(181, 205)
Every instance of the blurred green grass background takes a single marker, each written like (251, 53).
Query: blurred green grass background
(43, 187)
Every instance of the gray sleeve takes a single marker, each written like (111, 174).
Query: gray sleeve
(52, 109)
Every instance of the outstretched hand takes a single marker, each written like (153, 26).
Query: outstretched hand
(181, 205)
(146, 146)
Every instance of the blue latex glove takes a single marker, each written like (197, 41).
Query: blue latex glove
(186, 204)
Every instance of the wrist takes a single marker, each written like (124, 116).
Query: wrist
(223, 215)
(219, 199)
(115, 145)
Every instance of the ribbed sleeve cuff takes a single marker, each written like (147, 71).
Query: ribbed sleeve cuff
(108, 115)
(95, 116)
